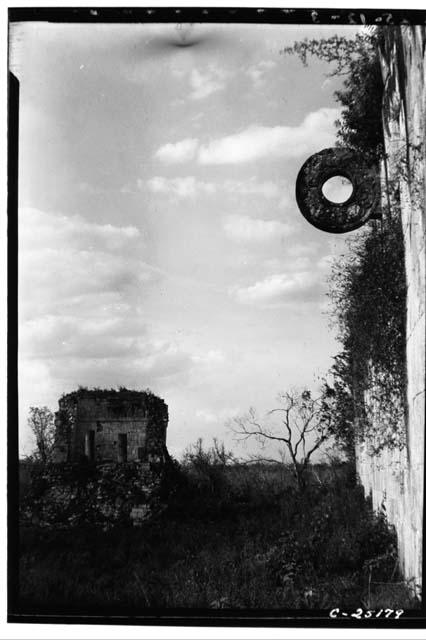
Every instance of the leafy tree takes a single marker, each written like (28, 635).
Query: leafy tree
(356, 60)
(41, 423)
(303, 428)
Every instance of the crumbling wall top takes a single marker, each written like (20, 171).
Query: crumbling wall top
(145, 396)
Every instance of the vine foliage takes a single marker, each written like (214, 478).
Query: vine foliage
(356, 61)
(368, 295)
(367, 288)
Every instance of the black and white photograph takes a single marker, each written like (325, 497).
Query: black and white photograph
(216, 224)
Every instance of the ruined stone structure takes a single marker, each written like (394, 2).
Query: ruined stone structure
(111, 426)
(394, 478)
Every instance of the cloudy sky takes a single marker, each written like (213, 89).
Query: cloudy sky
(160, 244)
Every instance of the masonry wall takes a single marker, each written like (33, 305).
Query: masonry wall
(105, 417)
(395, 478)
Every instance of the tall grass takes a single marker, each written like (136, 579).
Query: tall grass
(232, 536)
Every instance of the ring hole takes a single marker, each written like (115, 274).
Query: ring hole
(337, 189)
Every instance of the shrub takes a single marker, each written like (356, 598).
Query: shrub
(261, 547)
(70, 495)
(368, 294)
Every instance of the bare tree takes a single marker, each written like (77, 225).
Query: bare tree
(41, 423)
(304, 425)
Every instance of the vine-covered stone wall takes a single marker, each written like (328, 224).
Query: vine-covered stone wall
(122, 425)
(73, 494)
(395, 475)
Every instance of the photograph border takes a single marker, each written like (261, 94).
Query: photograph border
(169, 617)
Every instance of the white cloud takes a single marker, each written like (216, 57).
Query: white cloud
(302, 279)
(245, 229)
(294, 257)
(212, 417)
(186, 187)
(256, 142)
(190, 187)
(302, 263)
(212, 357)
(80, 284)
(182, 151)
(307, 248)
(276, 287)
(54, 337)
(78, 266)
(257, 71)
(38, 229)
(267, 189)
(206, 416)
(287, 199)
(69, 266)
(204, 83)
(90, 189)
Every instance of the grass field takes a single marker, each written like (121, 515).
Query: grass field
(231, 537)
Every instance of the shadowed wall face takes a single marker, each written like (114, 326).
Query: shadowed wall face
(110, 426)
(395, 477)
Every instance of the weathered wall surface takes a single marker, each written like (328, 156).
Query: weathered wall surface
(395, 477)
(71, 495)
(139, 417)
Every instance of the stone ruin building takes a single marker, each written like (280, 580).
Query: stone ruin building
(108, 426)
